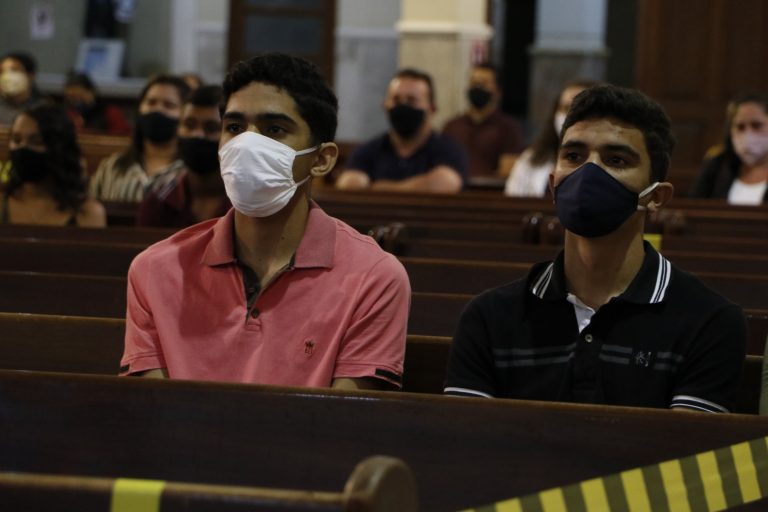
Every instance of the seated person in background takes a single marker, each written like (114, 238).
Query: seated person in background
(46, 184)
(491, 138)
(151, 157)
(610, 321)
(529, 176)
(17, 85)
(276, 291)
(193, 80)
(198, 193)
(740, 172)
(411, 156)
(88, 111)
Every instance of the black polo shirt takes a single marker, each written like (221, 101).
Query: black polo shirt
(379, 160)
(666, 341)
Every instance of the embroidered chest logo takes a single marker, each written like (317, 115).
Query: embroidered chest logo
(309, 347)
(642, 358)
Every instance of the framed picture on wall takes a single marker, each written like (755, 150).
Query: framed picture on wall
(101, 59)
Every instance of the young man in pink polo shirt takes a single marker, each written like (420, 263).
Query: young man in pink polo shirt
(276, 291)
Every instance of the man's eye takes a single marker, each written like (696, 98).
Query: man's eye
(275, 130)
(233, 127)
(571, 156)
(616, 161)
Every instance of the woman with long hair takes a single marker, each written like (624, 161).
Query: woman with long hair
(530, 174)
(151, 158)
(46, 184)
(739, 173)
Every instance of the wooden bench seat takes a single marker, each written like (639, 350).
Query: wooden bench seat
(463, 452)
(94, 346)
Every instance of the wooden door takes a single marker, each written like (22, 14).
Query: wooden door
(692, 57)
(304, 28)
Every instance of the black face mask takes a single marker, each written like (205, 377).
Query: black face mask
(406, 120)
(201, 156)
(479, 97)
(30, 166)
(157, 127)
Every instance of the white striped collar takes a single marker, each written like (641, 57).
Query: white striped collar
(649, 286)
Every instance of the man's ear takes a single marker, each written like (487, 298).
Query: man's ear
(326, 158)
(660, 196)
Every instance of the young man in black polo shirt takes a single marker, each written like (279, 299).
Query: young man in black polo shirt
(610, 321)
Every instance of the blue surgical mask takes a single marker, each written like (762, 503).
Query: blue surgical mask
(592, 203)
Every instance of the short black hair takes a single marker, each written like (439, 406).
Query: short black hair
(206, 96)
(302, 80)
(633, 108)
(62, 154)
(417, 74)
(27, 61)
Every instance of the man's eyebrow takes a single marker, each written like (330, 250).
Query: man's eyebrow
(623, 148)
(573, 144)
(264, 116)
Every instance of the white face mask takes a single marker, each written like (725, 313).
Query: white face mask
(13, 83)
(559, 122)
(258, 173)
(751, 147)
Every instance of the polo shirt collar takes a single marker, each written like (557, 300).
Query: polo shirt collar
(649, 286)
(316, 249)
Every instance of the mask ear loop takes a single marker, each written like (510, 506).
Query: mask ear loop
(644, 193)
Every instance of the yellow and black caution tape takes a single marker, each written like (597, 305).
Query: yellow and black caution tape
(709, 481)
(654, 239)
(132, 495)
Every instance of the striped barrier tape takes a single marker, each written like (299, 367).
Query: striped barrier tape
(133, 495)
(709, 481)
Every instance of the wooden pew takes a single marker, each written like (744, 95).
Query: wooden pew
(111, 235)
(463, 452)
(434, 314)
(377, 484)
(76, 344)
(94, 346)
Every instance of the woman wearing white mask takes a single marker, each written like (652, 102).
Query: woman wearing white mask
(530, 174)
(17, 85)
(740, 172)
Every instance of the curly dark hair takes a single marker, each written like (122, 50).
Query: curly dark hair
(62, 155)
(633, 108)
(316, 102)
(135, 152)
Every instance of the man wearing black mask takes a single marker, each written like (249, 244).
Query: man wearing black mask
(492, 139)
(198, 193)
(411, 156)
(610, 320)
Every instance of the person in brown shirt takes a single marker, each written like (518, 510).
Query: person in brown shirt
(492, 139)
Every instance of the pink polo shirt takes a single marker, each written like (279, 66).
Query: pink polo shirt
(340, 311)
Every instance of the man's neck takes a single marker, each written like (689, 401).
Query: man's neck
(479, 115)
(407, 147)
(19, 99)
(267, 244)
(598, 269)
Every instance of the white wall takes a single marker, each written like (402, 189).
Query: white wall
(366, 59)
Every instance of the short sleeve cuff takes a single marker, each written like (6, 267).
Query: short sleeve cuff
(459, 391)
(141, 363)
(696, 403)
(377, 371)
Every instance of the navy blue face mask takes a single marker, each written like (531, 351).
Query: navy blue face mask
(592, 203)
